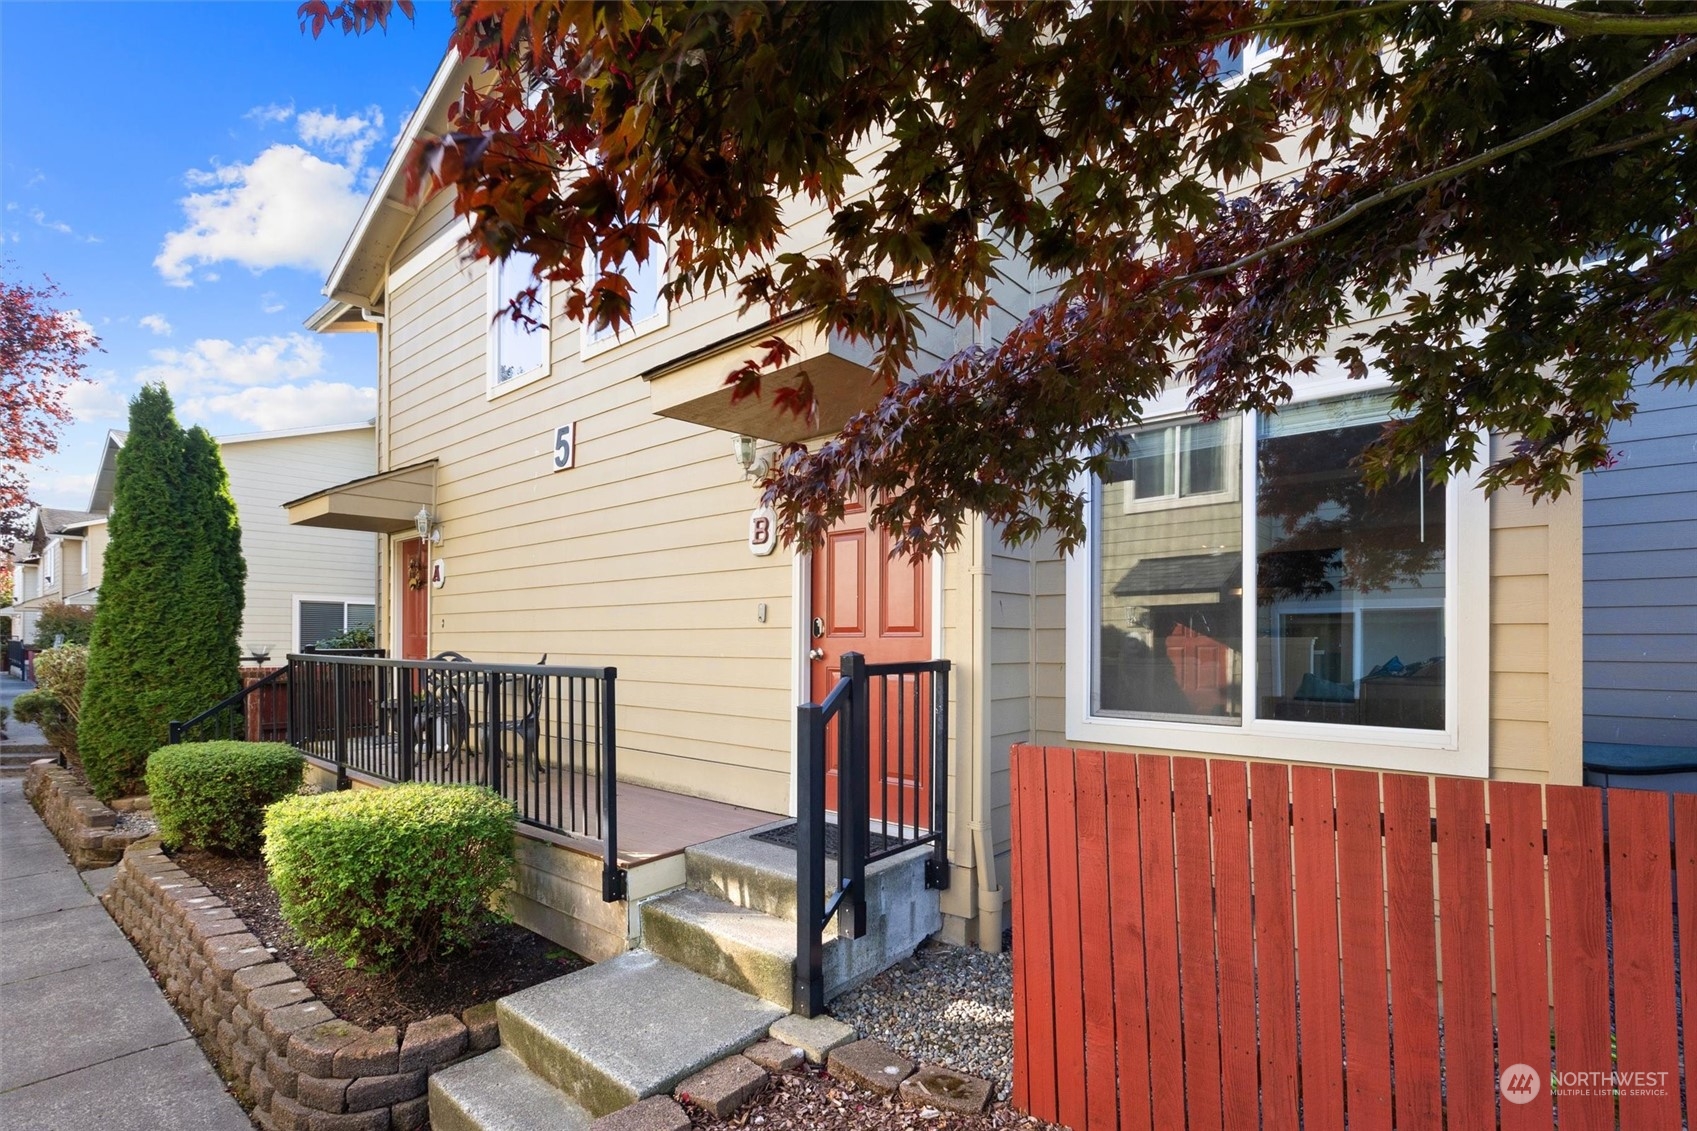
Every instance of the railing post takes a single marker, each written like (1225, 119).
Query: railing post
(404, 720)
(341, 739)
(808, 995)
(612, 876)
(492, 727)
(854, 789)
(176, 734)
(937, 868)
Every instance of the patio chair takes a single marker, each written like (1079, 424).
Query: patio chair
(526, 724)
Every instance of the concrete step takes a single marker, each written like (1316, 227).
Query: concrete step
(630, 1027)
(496, 1092)
(739, 947)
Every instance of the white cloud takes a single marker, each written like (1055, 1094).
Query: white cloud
(96, 400)
(351, 136)
(61, 488)
(157, 323)
(286, 208)
(271, 303)
(214, 365)
(290, 406)
(42, 220)
(73, 321)
(270, 113)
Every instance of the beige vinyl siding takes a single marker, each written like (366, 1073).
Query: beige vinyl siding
(97, 539)
(285, 561)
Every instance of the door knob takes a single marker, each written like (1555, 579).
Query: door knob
(816, 654)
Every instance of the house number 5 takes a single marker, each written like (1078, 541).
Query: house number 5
(565, 447)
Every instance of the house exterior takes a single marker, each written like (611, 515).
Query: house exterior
(591, 503)
(59, 562)
(302, 585)
(1641, 588)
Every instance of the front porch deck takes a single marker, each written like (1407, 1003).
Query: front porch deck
(653, 823)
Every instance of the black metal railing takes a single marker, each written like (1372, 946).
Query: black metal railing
(258, 712)
(893, 718)
(542, 736)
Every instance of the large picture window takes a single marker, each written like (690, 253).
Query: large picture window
(1241, 581)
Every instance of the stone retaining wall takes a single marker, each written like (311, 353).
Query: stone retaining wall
(86, 829)
(293, 1062)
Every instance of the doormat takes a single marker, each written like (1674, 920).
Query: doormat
(786, 836)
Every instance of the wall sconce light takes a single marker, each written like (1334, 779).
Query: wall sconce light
(425, 523)
(751, 459)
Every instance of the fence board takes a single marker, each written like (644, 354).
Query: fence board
(1361, 923)
(1160, 940)
(1033, 905)
(1021, 818)
(1579, 952)
(1464, 935)
(1640, 885)
(1067, 955)
(1685, 886)
(1275, 941)
(1131, 992)
(1321, 1017)
(1412, 935)
(1096, 940)
(1196, 949)
(1239, 1088)
(1517, 911)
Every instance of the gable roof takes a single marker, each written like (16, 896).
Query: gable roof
(100, 499)
(360, 271)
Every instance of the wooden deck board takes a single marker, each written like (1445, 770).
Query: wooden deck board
(653, 823)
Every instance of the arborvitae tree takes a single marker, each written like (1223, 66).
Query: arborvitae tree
(164, 643)
(125, 709)
(213, 584)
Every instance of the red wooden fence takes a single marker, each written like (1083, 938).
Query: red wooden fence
(1197, 943)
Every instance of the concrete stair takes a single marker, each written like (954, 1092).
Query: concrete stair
(596, 1041)
(734, 920)
(15, 757)
(715, 972)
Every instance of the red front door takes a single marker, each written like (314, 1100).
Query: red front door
(863, 601)
(415, 600)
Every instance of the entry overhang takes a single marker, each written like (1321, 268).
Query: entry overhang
(693, 387)
(385, 503)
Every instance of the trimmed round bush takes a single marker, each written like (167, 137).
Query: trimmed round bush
(213, 795)
(386, 876)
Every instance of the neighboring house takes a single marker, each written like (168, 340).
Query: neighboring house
(590, 507)
(302, 585)
(59, 562)
(1641, 590)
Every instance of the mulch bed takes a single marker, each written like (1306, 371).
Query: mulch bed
(507, 958)
(808, 1100)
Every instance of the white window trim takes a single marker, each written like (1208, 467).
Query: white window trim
(1256, 56)
(1463, 748)
(495, 308)
(295, 613)
(589, 346)
(1178, 499)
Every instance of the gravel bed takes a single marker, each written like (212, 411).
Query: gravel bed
(808, 1100)
(949, 1005)
(137, 821)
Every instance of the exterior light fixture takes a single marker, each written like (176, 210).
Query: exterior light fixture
(425, 523)
(753, 462)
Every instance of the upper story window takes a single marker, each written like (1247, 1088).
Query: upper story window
(518, 354)
(1236, 64)
(1242, 592)
(648, 310)
(50, 565)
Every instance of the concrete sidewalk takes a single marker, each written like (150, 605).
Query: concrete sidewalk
(87, 1040)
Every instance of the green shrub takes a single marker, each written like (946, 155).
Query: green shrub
(213, 795)
(61, 672)
(43, 709)
(386, 876)
(73, 622)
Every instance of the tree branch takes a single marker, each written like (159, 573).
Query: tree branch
(1620, 90)
(1587, 23)
(1683, 125)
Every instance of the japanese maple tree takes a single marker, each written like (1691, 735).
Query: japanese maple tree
(42, 352)
(1490, 203)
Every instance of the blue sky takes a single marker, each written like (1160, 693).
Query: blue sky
(187, 172)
